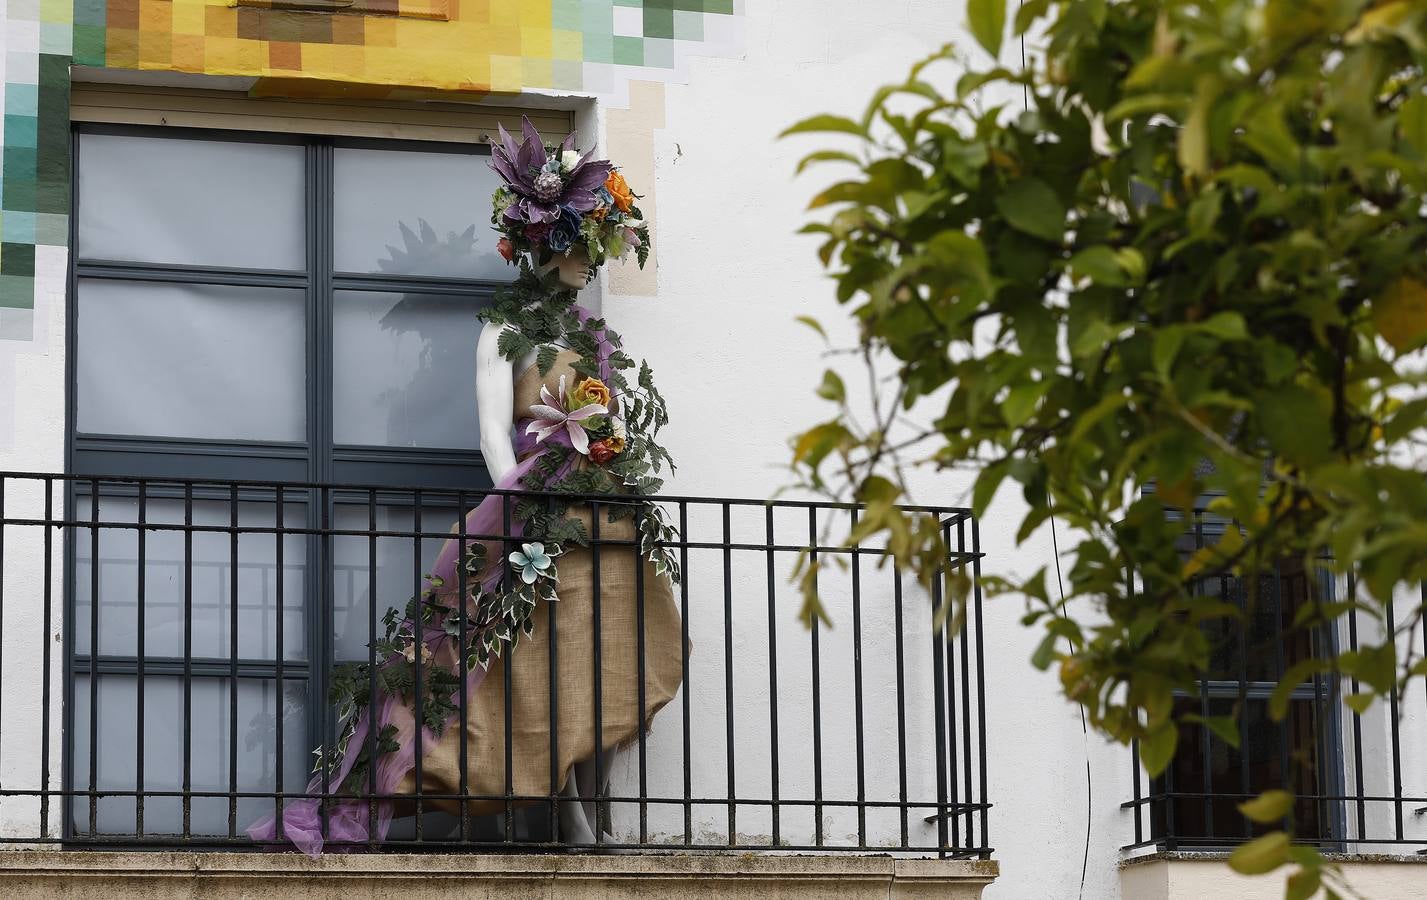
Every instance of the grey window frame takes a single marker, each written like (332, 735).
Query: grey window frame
(315, 460)
(1324, 691)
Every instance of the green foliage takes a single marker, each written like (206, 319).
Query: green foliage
(1191, 267)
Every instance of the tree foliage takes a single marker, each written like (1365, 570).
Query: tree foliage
(1182, 247)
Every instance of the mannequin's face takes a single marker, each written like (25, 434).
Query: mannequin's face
(573, 270)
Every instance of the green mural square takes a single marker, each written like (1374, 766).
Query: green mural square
(18, 227)
(89, 45)
(57, 11)
(688, 26)
(17, 259)
(565, 15)
(90, 12)
(659, 54)
(628, 51)
(19, 162)
(55, 38)
(52, 196)
(22, 131)
(599, 47)
(16, 291)
(658, 19)
(22, 100)
(634, 4)
(52, 229)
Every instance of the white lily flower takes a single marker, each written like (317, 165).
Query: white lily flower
(552, 415)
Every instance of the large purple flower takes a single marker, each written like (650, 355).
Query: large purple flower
(542, 183)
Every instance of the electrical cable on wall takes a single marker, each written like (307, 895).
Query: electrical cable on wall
(1060, 586)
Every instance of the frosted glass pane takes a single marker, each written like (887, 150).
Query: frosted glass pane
(212, 568)
(383, 197)
(193, 361)
(404, 370)
(396, 570)
(209, 203)
(212, 740)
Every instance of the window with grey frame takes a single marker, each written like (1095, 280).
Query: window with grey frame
(1194, 803)
(271, 309)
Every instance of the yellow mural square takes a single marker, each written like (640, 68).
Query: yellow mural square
(189, 17)
(382, 30)
(155, 16)
(187, 52)
(220, 22)
(567, 45)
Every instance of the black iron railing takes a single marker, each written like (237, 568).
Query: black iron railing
(167, 645)
(1356, 774)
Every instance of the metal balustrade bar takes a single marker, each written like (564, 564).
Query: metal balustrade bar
(167, 646)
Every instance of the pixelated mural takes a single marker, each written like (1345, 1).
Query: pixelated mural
(370, 48)
(34, 161)
(462, 45)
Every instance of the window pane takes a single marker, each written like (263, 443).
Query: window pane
(209, 203)
(211, 739)
(404, 370)
(412, 213)
(212, 568)
(191, 361)
(1210, 778)
(396, 572)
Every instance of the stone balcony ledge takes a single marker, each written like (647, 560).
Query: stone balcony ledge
(51, 874)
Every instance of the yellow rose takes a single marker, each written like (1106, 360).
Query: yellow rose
(616, 443)
(619, 190)
(590, 391)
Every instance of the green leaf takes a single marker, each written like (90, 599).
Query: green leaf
(987, 19)
(1045, 653)
(1030, 206)
(986, 484)
(823, 124)
(1157, 747)
(1359, 703)
(1261, 855)
(1412, 120)
(1167, 342)
(1270, 806)
(1296, 420)
(826, 156)
(1227, 326)
(832, 387)
(1303, 885)
(1100, 265)
(1021, 402)
(812, 323)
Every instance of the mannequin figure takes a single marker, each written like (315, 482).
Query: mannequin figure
(495, 386)
(495, 375)
(548, 687)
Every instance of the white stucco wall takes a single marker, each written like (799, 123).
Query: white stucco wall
(31, 439)
(739, 374)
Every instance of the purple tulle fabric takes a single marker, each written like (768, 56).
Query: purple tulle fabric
(346, 824)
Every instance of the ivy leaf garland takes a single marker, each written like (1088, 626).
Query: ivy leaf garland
(535, 316)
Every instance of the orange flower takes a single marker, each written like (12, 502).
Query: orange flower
(601, 452)
(590, 391)
(619, 190)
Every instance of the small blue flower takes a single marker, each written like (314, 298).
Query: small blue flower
(566, 230)
(531, 561)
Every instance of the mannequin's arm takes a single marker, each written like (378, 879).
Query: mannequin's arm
(495, 399)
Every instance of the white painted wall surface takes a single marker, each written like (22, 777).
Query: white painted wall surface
(32, 422)
(739, 374)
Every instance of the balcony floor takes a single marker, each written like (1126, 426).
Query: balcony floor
(49, 874)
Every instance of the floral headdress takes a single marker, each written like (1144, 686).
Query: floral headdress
(555, 200)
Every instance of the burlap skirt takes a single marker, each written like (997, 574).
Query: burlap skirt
(580, 685)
